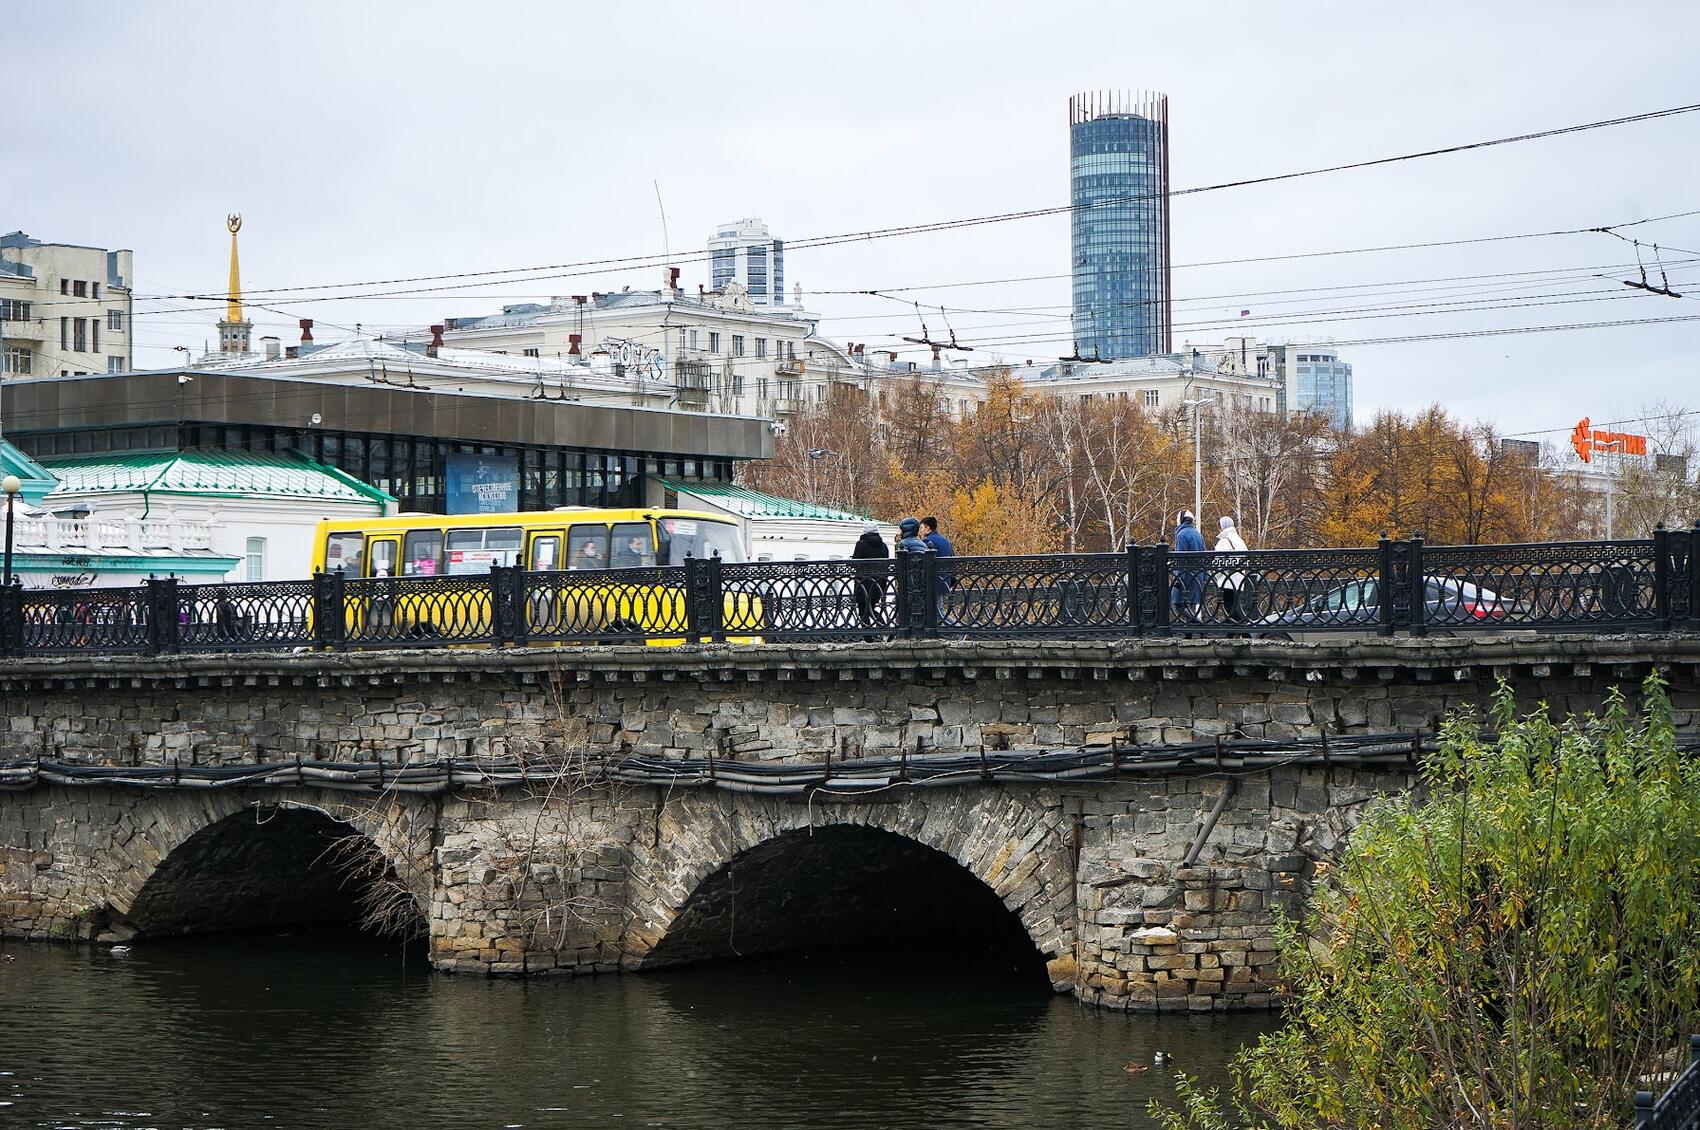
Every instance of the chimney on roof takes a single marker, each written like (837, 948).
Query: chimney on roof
(271, 347)
(673, 278)
(573, 341)
(306, 331)
(936, 349)
(436, 341)
(891, 356)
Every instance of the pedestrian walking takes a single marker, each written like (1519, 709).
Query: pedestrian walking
(870, 578)
(1188, 590)
(1231, 582)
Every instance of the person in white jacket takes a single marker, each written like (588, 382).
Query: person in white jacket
(1231, 582)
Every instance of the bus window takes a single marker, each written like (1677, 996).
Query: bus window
(587, 546)
(345, 552)
(421, 554)
(474, 551)
(634, 546)
(383, 557)
(546, 552)
(697, 537)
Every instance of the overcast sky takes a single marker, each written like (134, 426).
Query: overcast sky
(366, 141)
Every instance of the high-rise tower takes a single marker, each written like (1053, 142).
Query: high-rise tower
(1119, 193)
(743, 251)
(234, 330)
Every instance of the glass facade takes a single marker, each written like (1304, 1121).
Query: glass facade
(744, 252)
(1119, 192)
(409, 467)
(1322, 384)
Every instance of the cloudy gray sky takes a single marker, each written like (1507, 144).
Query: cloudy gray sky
(370, 141)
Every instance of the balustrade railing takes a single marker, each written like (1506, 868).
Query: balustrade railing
(1399, 586)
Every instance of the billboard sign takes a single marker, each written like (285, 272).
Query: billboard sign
(1588, 441)
(481, 484)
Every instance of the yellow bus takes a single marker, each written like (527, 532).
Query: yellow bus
(567, 554)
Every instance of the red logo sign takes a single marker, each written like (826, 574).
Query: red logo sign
(1586, 440)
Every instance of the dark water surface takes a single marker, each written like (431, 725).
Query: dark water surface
(330, 1030)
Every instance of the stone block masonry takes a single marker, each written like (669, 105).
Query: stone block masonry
(569, 877)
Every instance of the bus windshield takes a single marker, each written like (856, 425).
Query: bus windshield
(696, 537)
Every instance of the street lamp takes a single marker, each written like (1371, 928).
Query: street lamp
(1197, 464)
(11, 485)
(1611, 468)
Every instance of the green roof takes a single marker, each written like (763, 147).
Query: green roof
(754, 504)
(226, 474)
(38, 480)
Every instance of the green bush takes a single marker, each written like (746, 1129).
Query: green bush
(1510, 946)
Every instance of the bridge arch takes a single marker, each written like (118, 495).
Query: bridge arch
(990, 867)
(218, 863)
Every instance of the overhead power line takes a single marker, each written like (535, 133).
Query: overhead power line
(702, 254)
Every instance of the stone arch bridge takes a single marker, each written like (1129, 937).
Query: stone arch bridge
(146, 797)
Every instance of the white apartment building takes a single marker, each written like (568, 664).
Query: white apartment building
(64, 308)
(742, 251)
(714, 351)
(1160, 384)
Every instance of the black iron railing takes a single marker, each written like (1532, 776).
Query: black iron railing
(1398, 586)
(1679, 1107)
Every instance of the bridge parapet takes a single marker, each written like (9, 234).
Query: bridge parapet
(1154, 888)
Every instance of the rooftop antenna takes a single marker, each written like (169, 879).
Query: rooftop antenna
(1664, 280)
(666, 249)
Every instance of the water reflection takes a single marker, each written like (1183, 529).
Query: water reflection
(314, 1029)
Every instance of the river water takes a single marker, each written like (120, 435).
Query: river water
(314, 1029)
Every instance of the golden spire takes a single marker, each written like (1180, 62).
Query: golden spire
(233, 308)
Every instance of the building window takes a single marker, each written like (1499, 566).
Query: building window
(15, 360)
(1151, 398)
(713, 342)
(530, 352)
(737, 384)
(737, 345)
(14, 310)
(693, 339)
(761, 388)
(761, 347)
(254, 560)
(94, 290)
(64, 286)
(80, 335)
(115, 364)
(115, 321)
(79, 289)
(94, 335)
(64, 333)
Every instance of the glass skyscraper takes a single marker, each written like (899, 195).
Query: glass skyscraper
(1119, 192)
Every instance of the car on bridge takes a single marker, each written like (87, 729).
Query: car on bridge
(1448, 603)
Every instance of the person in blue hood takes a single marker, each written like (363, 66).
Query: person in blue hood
(909, 531)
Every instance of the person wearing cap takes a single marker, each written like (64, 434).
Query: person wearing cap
(1188, 590)
(870, 579)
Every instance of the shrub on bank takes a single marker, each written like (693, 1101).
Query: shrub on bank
(1515, 949)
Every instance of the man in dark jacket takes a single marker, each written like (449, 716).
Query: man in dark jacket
(870, 579)
(1188, 590)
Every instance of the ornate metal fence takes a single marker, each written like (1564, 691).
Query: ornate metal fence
(1398, 586)
(1679, 1107)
